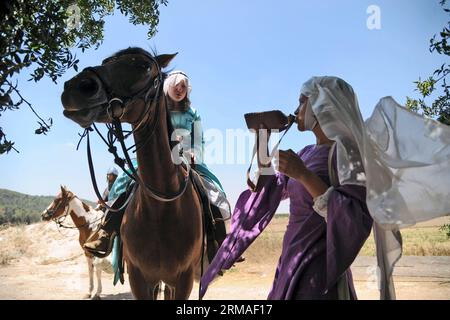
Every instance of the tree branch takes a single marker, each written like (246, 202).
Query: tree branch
(29, 105)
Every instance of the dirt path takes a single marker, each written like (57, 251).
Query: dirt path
(415, 278)
(54, 268)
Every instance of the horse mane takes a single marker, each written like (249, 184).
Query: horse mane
(86, 207)
(131, 50)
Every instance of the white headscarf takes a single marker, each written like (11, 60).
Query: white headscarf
(335, 106)
(310, 118)
(402, 158)
(174, 78)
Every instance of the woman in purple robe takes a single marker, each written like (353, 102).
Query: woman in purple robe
(328, 222)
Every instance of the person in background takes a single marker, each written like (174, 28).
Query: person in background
(111, 177)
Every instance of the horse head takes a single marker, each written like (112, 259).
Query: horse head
(58, 206)
(120, 88)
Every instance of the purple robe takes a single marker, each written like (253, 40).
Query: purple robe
(315, 253)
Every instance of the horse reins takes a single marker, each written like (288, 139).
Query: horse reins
(115, 133)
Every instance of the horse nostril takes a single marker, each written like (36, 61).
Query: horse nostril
(88, 86)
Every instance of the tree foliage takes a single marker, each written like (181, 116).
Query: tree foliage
(38, 36)
(440, 107)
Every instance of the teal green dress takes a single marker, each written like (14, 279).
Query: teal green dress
(188, 125)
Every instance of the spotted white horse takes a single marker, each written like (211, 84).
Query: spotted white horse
(86, 220)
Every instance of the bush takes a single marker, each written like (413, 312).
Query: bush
(446, 229)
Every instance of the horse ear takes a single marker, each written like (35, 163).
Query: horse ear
(63, 189)
(164, 59)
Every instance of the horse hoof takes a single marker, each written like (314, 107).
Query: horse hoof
(96, 297)
(87, 296)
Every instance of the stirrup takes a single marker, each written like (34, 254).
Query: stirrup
(99, 253)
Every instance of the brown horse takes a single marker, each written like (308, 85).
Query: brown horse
(162, 226)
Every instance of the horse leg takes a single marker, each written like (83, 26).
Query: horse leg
(90, 262)
(158, 291)
(139, 286)
(169, 292)
(98, 272)
(184, 284)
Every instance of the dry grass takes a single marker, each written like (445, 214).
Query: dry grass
(267, 247)
(427, 241)
(18, 242)
(417, 241)
(14, 243)
(5, 258)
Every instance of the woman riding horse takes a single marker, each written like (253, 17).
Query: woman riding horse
(162, 227)
(188, 130)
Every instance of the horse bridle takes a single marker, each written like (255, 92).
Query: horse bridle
(59, 220)
(115, 132)
(66, 201)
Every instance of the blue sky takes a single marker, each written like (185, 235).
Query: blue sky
(241, 56)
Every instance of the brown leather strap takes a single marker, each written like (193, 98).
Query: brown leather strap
(262, 179)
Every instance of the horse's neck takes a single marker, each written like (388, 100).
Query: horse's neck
(78, 213)
(155, 164)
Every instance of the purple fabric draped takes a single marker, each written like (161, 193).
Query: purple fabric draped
(315, 253)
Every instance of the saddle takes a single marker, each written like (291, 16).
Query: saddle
(214, 228)
(263, 123)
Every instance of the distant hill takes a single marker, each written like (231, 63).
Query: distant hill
(18, 208)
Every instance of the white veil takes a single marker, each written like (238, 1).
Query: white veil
(401, 158)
